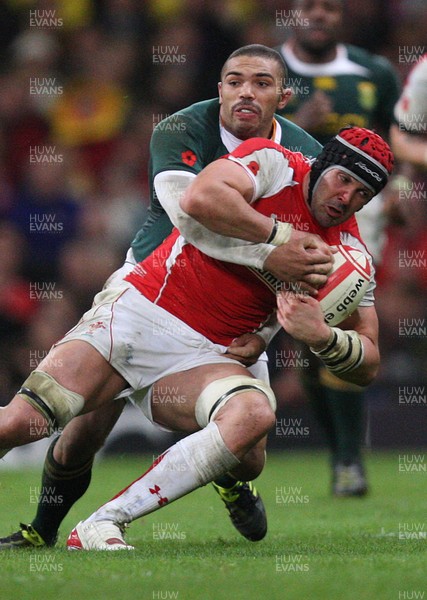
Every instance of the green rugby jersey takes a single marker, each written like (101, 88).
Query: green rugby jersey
(189, 140)
(363, 86)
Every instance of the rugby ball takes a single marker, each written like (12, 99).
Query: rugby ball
(346, 285)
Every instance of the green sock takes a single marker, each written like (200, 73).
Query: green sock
(346, 410)
(320, 404)
(60, 489)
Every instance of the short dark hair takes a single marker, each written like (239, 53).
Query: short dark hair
(263, 52)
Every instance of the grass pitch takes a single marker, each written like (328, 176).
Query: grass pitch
(317, 548)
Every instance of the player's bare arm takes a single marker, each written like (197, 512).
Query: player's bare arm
(219, 198)
(301, 316)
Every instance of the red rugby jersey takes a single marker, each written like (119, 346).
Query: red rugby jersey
(222, 300)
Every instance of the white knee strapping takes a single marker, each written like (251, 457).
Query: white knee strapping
(217, 393)
(62, 403)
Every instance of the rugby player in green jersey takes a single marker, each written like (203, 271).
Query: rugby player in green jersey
(181, 146)
(335, 85)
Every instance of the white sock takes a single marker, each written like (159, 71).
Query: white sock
(189, 464)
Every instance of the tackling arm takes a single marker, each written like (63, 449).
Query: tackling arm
(170, 188)
(219, 201)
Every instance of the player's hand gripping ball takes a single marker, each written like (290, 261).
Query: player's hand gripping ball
(346, 285)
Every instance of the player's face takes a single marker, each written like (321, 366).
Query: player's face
(324, 18)
(337, 197)
(250, 92)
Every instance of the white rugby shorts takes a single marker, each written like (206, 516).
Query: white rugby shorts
(144, 342)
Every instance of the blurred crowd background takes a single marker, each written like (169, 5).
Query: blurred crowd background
(82, 84)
